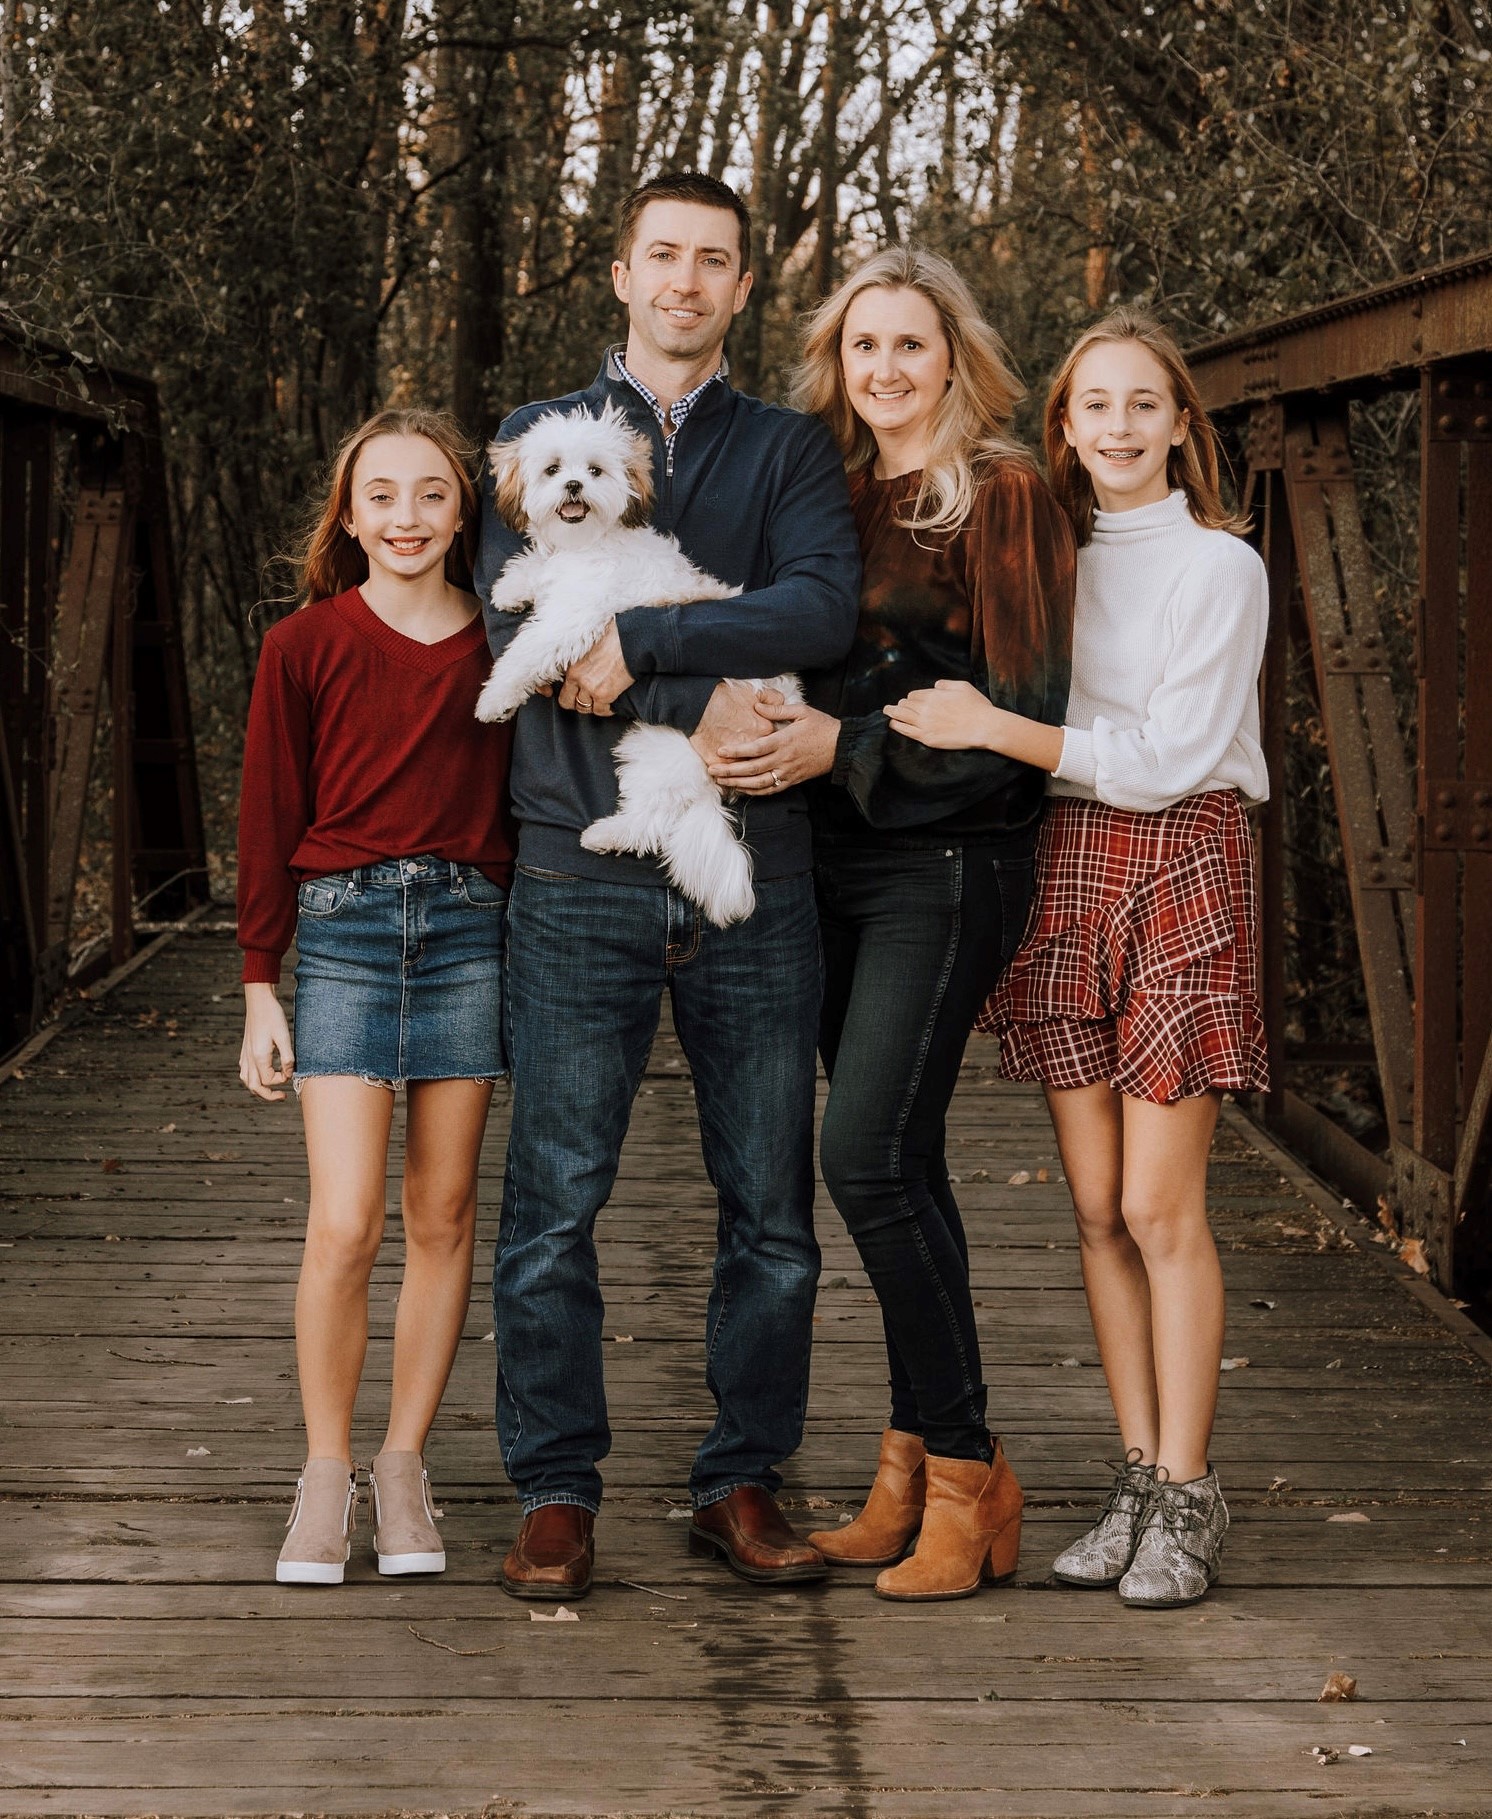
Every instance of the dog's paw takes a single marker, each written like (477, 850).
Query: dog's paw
(612, 834)
(496, 704)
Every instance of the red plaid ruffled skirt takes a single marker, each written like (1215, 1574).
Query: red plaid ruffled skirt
(1139, 963)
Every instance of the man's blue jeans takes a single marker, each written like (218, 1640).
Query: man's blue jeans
(588, 963)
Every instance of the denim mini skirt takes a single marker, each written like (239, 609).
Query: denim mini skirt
(400, 973)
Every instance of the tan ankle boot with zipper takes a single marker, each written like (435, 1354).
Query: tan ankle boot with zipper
(971, 1532)
(893, 1510)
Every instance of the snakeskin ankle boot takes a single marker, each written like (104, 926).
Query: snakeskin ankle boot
(1181, 1544)
(1105, 1553)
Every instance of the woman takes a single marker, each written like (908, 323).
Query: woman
(923, 860)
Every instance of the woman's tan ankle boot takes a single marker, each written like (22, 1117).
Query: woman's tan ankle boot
(971, 1532)
(893, 1510)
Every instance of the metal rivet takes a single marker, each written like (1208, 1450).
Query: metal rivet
(1482, 423)
(1481, 798)
(1446, 798)
(1479, 831)
(1445, 422)
(1443, 830)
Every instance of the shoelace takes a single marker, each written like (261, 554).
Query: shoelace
(1125, 1498)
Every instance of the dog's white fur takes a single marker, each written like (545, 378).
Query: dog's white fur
(580, 488)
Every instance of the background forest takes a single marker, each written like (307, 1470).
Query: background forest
(288, 212)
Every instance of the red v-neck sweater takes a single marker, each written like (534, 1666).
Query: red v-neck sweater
(362, 745)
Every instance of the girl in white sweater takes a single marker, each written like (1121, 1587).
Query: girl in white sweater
(1134, 996)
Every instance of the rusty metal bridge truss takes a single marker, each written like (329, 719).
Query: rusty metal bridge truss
(87, 614)
(1416, 835)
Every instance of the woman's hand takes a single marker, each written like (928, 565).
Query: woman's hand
(801, 745)
(265, 1031)
(954, 716)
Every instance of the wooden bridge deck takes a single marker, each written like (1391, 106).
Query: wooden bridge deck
(150, 1216)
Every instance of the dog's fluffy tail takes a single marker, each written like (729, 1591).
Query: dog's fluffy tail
(669, 806)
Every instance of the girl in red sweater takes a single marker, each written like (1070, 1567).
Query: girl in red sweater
(374, 832)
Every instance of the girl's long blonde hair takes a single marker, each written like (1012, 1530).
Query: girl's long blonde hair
(332, 560)
(971, 429)
(1191, 465)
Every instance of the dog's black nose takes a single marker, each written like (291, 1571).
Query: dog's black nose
(572, 487)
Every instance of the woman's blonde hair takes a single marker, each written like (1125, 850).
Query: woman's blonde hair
(332, 560)
(971, 428)
(1191, 465)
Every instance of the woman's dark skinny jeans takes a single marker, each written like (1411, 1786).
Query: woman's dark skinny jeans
(914, 940)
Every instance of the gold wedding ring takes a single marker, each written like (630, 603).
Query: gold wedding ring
(776, 780)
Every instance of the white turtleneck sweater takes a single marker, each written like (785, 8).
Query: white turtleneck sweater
(1167, 642)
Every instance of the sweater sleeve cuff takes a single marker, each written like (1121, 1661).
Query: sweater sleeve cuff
(650, 641)
(1079, 762)
(260, 967)
(846, 748)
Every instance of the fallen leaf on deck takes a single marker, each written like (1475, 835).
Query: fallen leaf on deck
(818, 1503)
(562, 1615)
(1261, 1302)
(1338, 1686)
(1335, 1365)
(1386, 1214)
(979, 1174)
(111, 1165)
(836, 1282)
(679, 1515)
(1020, 1177)
(622, 1338)
(1234, 1364)
(167, 1129)
(1043, 1174)
(1358, 1749)
(1069, 1361)
(1350, 1516)
(487, 1338)
(111, 1237)
(1293, 1231)
(1412, 1252)
(1323, 1756)
(1278, 1484)
(198, 1452)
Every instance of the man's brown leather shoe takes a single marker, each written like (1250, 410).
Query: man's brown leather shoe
(748, 1531)
(553, 1555)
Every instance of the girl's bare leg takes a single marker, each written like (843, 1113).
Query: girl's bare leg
(1089, 1122)
(1164, 1201)
(347, 1140)
(442, 1147)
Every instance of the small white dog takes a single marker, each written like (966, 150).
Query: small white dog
(580, 488)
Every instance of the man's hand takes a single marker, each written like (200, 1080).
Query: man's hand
(595, 681)
(730, 716)
(801, 745)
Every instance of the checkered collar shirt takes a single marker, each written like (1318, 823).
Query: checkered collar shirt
(682, 406)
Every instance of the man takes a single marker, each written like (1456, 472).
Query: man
(756, 495)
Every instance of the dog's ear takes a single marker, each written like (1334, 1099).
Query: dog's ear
(507, 472)
(639, 483)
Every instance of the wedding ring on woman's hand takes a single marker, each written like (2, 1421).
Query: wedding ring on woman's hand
(776, 780)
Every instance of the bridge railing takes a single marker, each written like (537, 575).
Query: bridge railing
(1411, 779)
(88, 613)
